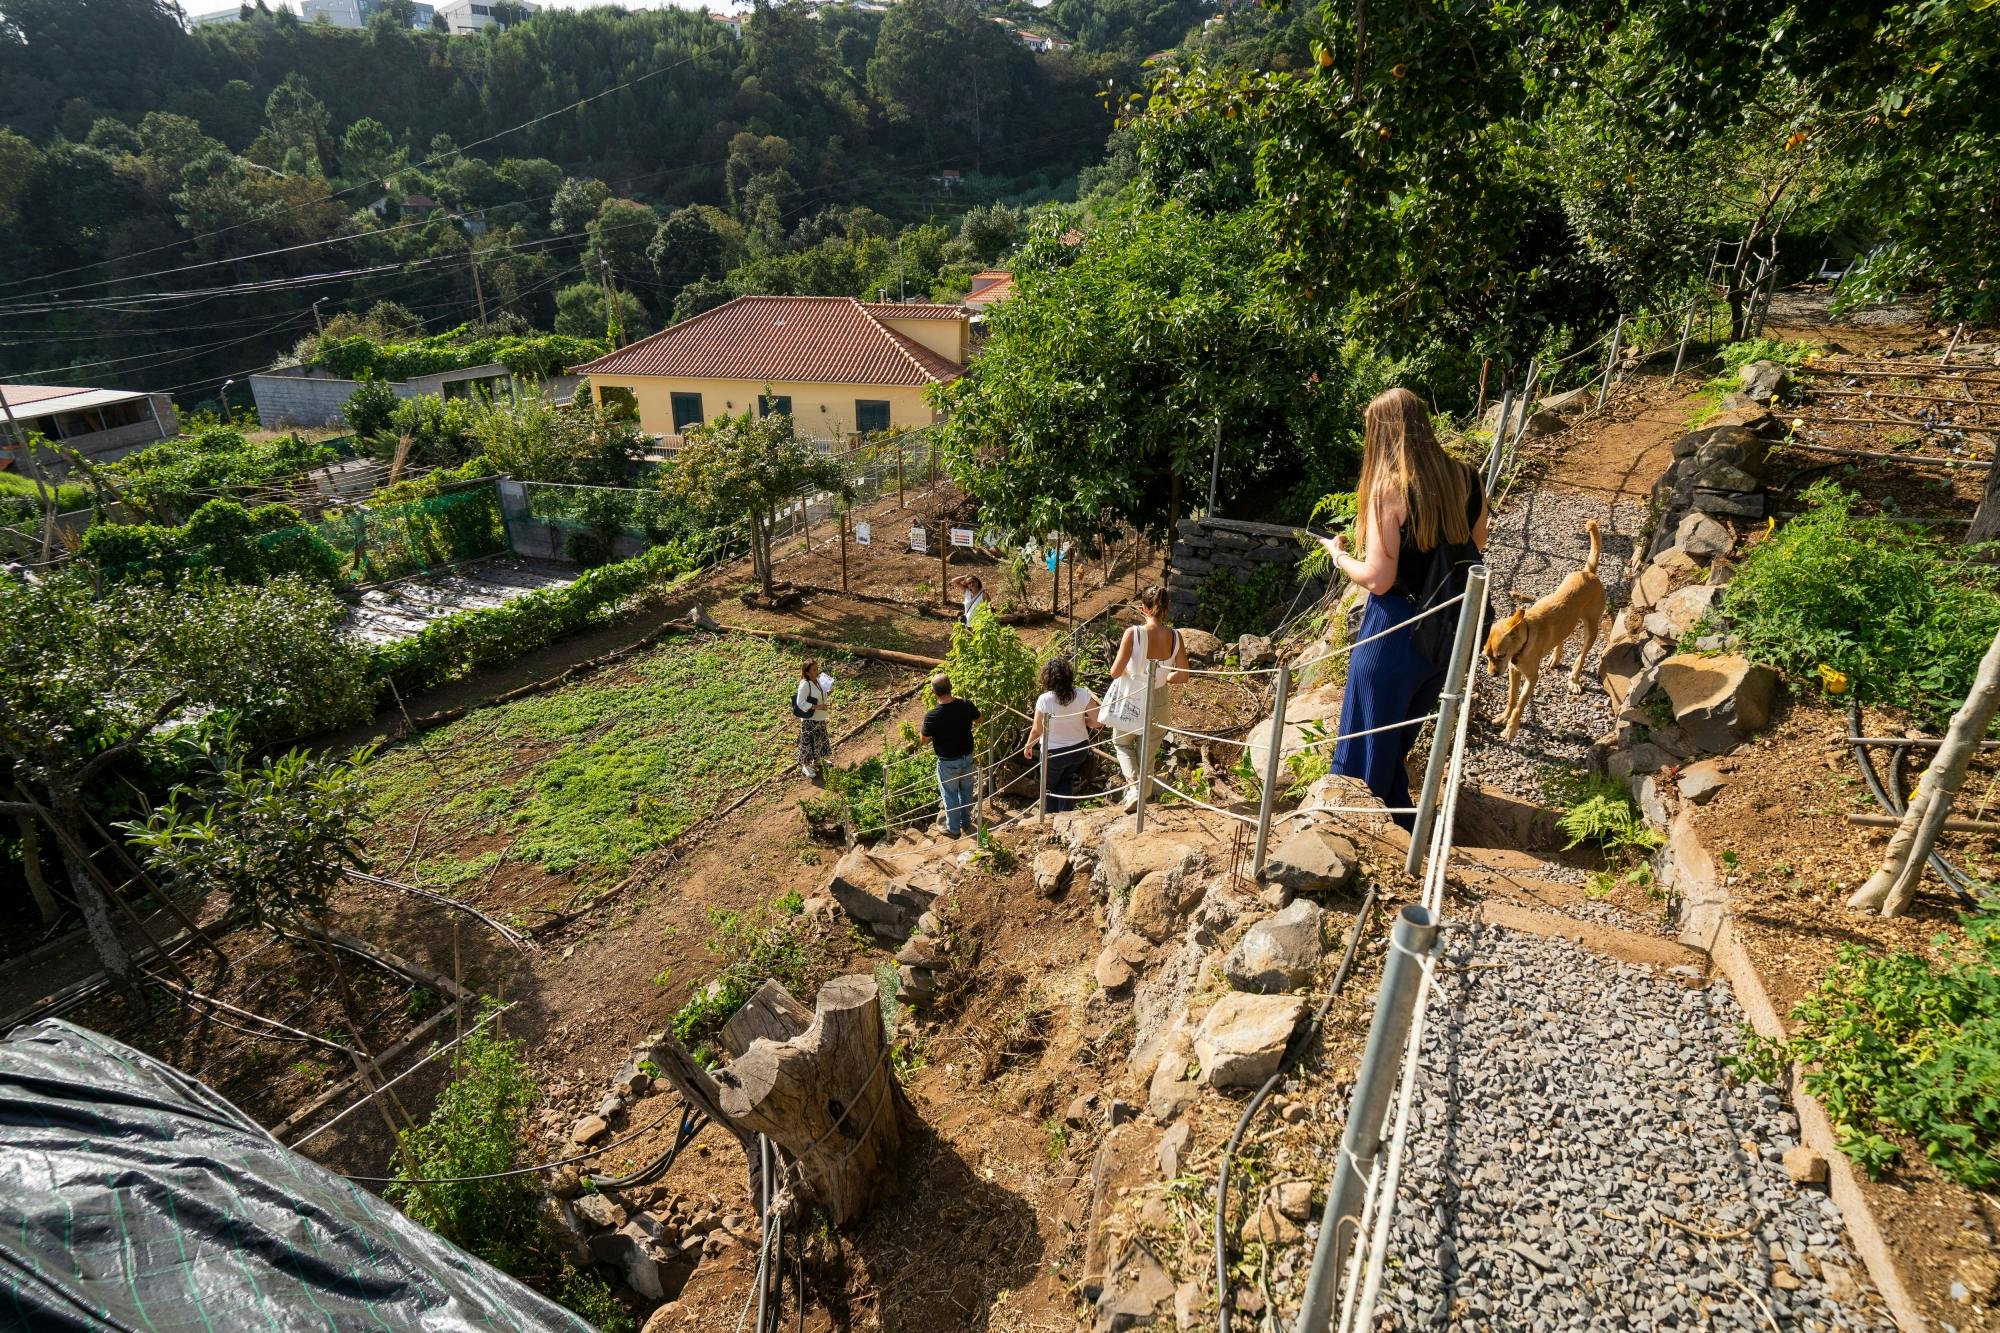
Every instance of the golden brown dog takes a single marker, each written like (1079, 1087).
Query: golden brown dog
(1523, 641)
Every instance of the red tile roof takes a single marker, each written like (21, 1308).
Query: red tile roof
(989, 290)
(807, 339)
(914, 310)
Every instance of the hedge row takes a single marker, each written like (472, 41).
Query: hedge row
(537, 355)
(470, 641)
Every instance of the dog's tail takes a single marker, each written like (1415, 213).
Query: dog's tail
(1590, 565)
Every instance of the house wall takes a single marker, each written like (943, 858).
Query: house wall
(947, 337)
(823, 411)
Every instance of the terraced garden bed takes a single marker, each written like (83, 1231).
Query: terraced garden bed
(535, 805)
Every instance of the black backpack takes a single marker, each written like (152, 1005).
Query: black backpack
(1444, 579)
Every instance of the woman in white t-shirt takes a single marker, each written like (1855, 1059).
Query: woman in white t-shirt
(1064, 715)
(815, 746)
(971, 594)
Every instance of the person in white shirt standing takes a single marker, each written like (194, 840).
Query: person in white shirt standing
(815, 746)
(1064, 716)
(971, 593)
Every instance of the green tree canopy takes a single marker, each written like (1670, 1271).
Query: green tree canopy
(1106, 376)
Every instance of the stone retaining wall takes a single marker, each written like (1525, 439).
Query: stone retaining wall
(1204, 545)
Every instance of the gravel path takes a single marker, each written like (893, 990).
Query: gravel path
(1534, 545)
(1568, 1105)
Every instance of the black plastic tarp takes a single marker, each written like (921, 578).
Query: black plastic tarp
(133, 1197)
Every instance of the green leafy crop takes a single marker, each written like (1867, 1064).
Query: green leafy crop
(1899, 1043)
(1904, 617)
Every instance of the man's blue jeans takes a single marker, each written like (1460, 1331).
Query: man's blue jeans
(955, 778)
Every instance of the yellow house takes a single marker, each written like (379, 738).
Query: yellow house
(837, 365)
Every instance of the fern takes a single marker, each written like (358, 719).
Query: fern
(1602, 811)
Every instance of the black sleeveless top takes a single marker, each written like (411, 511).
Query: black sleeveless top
(1417, 571)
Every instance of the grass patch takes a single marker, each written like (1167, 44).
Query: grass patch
(1903, 617)
(586, 779)
(1901, 1043)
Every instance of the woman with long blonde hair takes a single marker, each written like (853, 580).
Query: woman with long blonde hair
(1421, 518)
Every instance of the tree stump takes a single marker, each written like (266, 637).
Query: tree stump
(827, 1095)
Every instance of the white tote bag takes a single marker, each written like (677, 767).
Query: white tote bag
(1123, 707)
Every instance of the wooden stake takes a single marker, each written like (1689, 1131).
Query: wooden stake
(944, 561)
(843, 550)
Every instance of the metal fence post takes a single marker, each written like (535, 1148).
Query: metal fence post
(1145, 778)
(1457, 687)
(1413, 939)
(1500, 430)
(1522, 411)
(1610, 362)
(982, 785)
(1042, 811)
(1272, 762)
(1687, 329)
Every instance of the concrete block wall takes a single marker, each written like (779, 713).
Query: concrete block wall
(300, 397)
(1204, 545)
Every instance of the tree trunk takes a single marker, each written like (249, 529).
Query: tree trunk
(31, 866)
(828, 1096)
(1893, 886)
(111, 952)
(1986, 519)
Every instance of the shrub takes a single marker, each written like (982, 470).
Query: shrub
(1897, 1043)
(439, 429)
(879, 793)
(478, 1128)
(774, 942)
(990, 665)
(169, 478)
(537, 356)
(368, 411)
(1904, 618)
(222, 537)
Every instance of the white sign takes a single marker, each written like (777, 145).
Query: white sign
(862, 536)
(962, 537)
(919, 542)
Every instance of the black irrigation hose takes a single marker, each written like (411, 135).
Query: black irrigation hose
(692, 1122)
(1891, 801)
(1292, 1054)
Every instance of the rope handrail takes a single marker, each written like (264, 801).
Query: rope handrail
(1164, 785)
(1380, 634)
(1204, 736)
(1371, 731)
(1221, 671)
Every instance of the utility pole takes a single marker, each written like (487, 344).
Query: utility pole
(614, 328)
(319, 325)
(478, 292)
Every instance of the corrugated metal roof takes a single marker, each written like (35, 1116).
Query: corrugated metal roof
(46, 400)
(805, 339)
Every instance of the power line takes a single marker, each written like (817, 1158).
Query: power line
(370, 184)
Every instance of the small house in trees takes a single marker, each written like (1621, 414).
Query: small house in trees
(836, 365)
(100, 424)
(990, 289)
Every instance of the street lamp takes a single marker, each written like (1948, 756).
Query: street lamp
(225, 402)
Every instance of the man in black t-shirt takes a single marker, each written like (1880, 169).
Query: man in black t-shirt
(948, 727)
